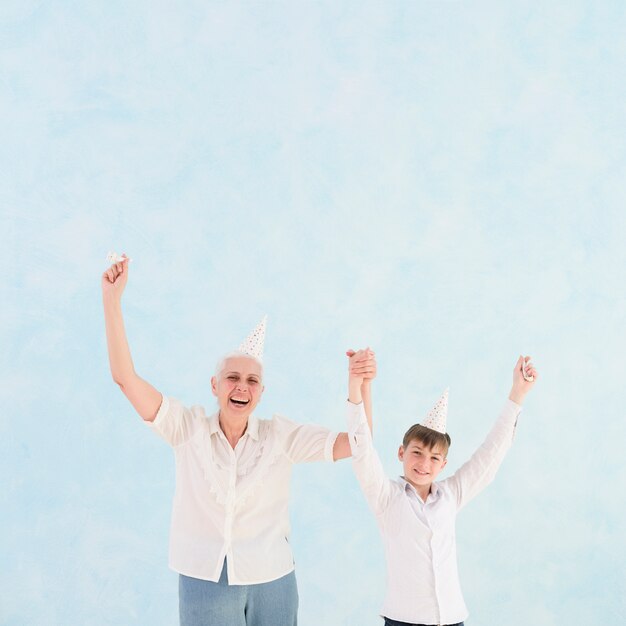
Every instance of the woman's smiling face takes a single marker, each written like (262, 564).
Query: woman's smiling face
(238, 386)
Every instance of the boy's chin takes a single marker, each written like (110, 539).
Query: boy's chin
(420, 481)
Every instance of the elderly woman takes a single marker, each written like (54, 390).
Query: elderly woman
(230, 530)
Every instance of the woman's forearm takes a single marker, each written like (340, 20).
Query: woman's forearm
(141, 394)
(120, 360)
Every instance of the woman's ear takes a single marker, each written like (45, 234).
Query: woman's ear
(214, 385)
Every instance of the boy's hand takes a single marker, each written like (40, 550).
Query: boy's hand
(114, 280)
(521, 386)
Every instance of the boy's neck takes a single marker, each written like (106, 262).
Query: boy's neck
(422, 490)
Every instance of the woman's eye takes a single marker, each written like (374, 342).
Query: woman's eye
(232, 378)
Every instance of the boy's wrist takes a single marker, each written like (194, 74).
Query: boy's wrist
(517, 396)
(354, 392)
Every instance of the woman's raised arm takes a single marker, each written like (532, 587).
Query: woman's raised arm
(142, 395)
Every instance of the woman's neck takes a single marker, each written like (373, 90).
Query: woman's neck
(233, 428)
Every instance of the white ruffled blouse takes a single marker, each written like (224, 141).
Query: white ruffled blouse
(233, 504)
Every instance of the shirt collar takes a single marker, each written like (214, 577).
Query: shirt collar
(252, 429)
(434, 488)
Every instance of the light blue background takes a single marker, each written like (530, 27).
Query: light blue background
(444, 181)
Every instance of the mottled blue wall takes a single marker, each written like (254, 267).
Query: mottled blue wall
(444, 181)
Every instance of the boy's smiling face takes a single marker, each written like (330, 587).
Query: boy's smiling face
(421, 464)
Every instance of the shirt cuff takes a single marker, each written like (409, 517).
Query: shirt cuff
(511, 409)
(359, 434)
(356, 416)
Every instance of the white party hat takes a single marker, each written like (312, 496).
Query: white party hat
(254, 342)
(437, 416)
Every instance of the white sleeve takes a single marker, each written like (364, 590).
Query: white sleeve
(365, 461)
(174, 422)
(474, 475)
(304, 443)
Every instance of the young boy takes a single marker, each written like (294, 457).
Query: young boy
(415, 514)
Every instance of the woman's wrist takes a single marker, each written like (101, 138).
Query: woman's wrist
(112, 299)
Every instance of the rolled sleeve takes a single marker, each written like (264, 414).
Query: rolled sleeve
(157, 422)
(330, 445)
(305, 443)
(173, 422)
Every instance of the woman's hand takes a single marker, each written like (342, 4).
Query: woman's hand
(114, 280)
(521, 386)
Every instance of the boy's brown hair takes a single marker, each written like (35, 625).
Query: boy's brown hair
(429, 437)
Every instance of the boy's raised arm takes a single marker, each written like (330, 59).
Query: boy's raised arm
(367, 466)
(363, 366)
(474, 475)
(142, 395)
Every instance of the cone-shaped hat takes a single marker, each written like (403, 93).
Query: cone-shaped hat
(438, 415)
(254, 342)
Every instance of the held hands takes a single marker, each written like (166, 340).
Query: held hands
(361, 370)
(114, 279)
(521, 386)
(362, 366)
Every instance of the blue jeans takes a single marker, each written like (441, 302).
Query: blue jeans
(204, 603)
(392, 622)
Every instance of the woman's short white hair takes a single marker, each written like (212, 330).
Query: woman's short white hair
(221, 364)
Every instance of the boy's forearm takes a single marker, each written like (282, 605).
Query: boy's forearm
(354, 391)
(366, 394)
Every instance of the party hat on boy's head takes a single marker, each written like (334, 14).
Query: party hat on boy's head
(254, 342)
(436, 418)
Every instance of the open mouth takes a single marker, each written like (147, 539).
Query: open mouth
(239, 403)
(421, 473)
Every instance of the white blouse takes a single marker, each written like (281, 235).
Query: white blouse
(233, 504)
(419, 537)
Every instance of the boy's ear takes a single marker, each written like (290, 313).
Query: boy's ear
(401, 453)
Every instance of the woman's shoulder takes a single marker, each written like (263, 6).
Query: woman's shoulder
(277, 426)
